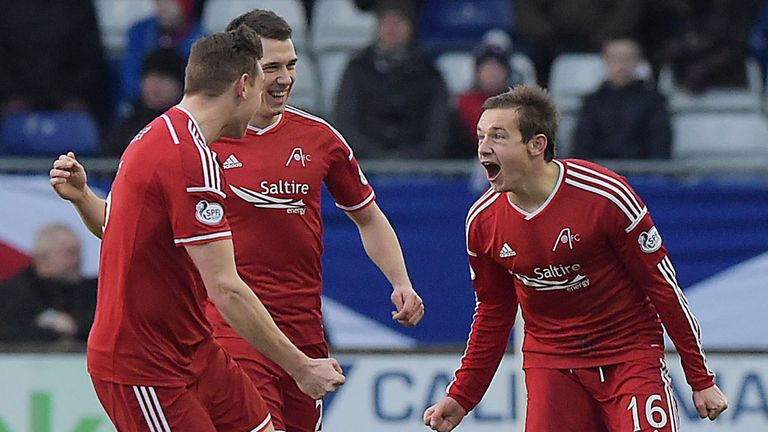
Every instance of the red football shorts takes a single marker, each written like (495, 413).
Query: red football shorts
(292, 410)
(630, 396)
(221, 399)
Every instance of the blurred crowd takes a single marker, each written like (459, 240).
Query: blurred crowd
(414, 87)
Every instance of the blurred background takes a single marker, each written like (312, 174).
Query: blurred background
(670, 93)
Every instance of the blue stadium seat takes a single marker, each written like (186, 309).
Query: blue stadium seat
(48, 133)
(452, 25)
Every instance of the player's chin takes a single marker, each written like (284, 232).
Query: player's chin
(497, 183)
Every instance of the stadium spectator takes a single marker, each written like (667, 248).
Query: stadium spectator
(392, 101)
(52, 58)
(175, 25)
(573, 246)
(51, 301)
(626, 118)
(167, 249)
(162, 83)
(713, 46)
(663, 21)
(555, 27)
(493, 75)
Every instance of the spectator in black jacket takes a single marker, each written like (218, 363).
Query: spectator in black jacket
(626, 118)
(392, 101)
(51, 58)
(51, 301)
(162, 85)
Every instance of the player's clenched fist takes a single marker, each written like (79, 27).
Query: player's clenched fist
(68, 177)
(445, 415)
(410, 307)
(710, 402)
(320, 377)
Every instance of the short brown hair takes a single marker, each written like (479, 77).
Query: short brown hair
(221, 58)
(266, 24)
(536, 114)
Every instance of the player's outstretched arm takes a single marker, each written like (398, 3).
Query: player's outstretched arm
(70, 182)
(246, 314)
(382, 246)
(445, 415)
(710, 402)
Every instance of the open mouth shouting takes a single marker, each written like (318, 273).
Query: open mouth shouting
(492, 170)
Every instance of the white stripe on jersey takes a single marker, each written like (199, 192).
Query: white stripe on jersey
(668, 272)
(633, 210)
(263, 424)
(632, 217)
(205, 189)
(357, 206)
(202, 237)
(475, 210)
(170, 128)
(320, 120)
(216, 169)
(672, 404)
(205, 155)
(211, 172)
(627, 193)
(477, 203)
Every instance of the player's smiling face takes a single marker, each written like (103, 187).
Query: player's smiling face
(501, 149)
(279, 66)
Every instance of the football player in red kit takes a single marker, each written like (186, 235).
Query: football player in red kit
(275, 177)
(167, 249)
(572, 245)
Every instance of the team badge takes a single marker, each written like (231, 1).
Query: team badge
(298, 155)
(566, 237)
(209, 213)
(650, 241)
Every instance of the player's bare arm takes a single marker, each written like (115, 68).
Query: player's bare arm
(710, 402)
(70, 181)
(445, 415)
(382, 246)
(246, 314)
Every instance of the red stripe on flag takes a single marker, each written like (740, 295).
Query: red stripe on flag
(13, 261)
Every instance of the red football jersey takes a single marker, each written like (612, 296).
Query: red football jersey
(275, 177)
(150, 326)
(590, 274)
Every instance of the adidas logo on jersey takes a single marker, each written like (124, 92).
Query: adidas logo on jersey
(506, 251)
(232, 162)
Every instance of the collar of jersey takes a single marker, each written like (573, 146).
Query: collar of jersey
(194, 121)
(545, 204)
(259, 131)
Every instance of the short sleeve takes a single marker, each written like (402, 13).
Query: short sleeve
(194, 196)
(345, 180)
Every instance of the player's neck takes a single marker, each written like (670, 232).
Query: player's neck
(262, 121)
(211, 116)
(531, 194)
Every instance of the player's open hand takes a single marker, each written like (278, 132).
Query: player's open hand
(410, 307)
(445, 415)
(710, 402)
(320, 377)
(68, 177)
